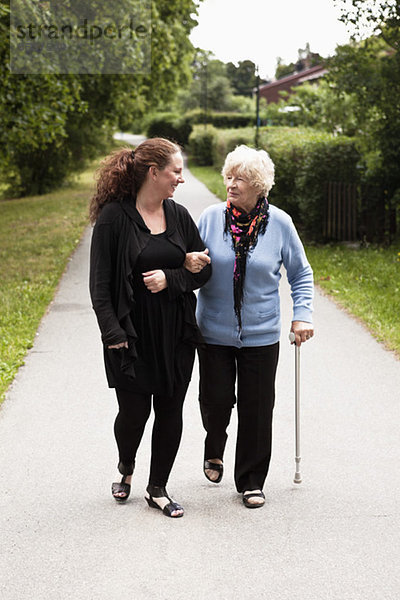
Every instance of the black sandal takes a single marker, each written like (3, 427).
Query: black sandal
(122, 487)
(211, 466)
(155, 491)
(253, 495)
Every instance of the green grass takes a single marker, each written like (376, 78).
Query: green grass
(37, 235)
(365, 281)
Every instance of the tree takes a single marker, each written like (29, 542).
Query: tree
(282, 69)
(368, 18)
(50, 124)
(243, 77)
(370, 70)
(314, 106)
(33, 117)
(369, 67)
(210, 88)
(305, 60)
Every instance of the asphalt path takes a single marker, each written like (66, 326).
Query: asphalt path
(335, 536)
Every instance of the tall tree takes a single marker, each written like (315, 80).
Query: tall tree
(370, 70)
(283, 69)
(50, 123)
(367, 18)
(242, 77)
(210, 88)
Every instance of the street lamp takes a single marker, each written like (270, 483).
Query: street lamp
(205, 84)
(257, 108)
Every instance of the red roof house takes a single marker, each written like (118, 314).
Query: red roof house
(270, 91)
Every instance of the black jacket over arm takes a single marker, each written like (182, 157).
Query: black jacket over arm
(119, 236)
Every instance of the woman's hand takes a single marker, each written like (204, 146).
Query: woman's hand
(303, 331)
(118, 346)
(196, 261)
(155, 281)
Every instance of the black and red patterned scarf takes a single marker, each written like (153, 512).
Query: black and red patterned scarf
(244, 229)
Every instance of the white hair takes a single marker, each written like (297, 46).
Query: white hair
(255, 165)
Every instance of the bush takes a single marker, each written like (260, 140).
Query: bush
(29, 170)
(287, 147)
(202, 142)
(223, 120)
(227, 140)
(305, 161)
(234, 120)
(333, 159)
(51, 127)
(178, 128)
(171, 126)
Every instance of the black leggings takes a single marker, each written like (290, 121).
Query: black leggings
(134, 411)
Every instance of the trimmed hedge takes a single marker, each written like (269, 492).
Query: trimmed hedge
(305, 160)
(202, 142)
(227, 141)
(221, 120)
(209, 145)
(170, 126)
(179, 127)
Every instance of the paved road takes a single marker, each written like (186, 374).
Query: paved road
(336, 536)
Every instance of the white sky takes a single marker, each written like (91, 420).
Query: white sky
(262, 30)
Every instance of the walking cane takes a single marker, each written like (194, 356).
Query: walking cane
(297, 475)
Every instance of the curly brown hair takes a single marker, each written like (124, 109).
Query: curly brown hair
(122, 173)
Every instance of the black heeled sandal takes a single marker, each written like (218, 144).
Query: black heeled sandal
(122, 487)
(155, 491)
(211, 466)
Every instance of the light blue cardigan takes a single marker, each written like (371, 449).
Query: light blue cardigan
(261, 323)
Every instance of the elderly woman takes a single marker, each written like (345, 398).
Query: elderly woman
(238, 314)
(144, 302)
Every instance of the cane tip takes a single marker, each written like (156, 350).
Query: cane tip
(297, 479)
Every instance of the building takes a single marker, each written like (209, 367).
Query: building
(270, 91)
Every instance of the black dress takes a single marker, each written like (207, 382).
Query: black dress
(160, 328)
(158, 322)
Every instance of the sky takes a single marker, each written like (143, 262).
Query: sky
(262, 30)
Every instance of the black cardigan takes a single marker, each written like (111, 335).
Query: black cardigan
(119, 236)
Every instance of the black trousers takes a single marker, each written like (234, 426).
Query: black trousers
(254, 368)
(134, 411)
